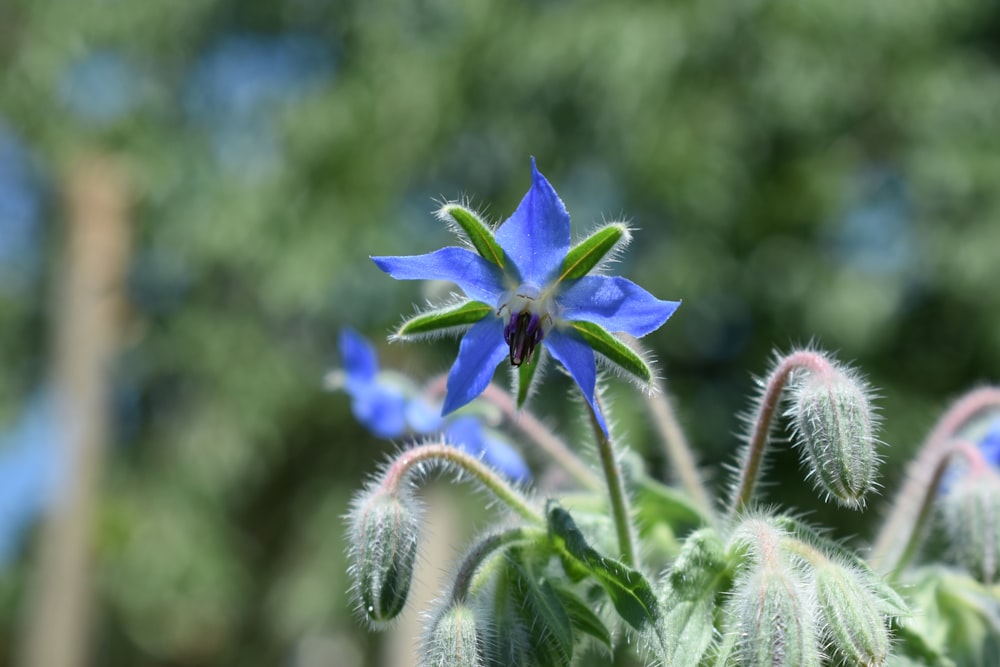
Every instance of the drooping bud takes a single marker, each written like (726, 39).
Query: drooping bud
(853, 621)
(452, 640)
(834, 422)
(972, 521)
(383, 533)
(775, 621)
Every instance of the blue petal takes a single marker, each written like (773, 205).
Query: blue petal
(481, 350)
(578, 359)
(358, 357)
(422, 418)
(616, 304)
(536, 237)
(480, 280)
(382, 409)
(990, 444)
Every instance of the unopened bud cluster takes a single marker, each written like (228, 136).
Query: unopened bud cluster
(834, 423)
(452, 639)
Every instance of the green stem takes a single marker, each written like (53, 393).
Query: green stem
(899, 536)
(620, 511)
(482, 551)
(678, 451)
(443, 454)
(763, 419)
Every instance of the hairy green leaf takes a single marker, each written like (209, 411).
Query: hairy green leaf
(582, 616)
(629, 591)
(585, 255)
(614, 349)
(549, 628)
(477, 231)
(463, 314)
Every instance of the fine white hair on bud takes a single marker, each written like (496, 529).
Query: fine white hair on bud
(775, 619)
(384, 527)
(972, 521)
(834, 423)
(853, 623)
(452, 639)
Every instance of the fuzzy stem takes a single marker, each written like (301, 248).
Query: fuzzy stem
(898, 538)
(678, 451)
(446, 454)
(534, 429)
(764, 418)
(620, 512)
(482, 551)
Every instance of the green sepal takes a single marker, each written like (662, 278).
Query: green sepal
(588, 253)
(548, 625)
(525, 375)
(582, 616)
(616, 351)
(629, 591)
(477, 231)
(464, 314)
(891, 603)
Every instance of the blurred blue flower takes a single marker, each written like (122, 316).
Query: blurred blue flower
(989, 444)
(100, 88)
(20, 214)
(531, 299)
(28, 472)
(390, 407)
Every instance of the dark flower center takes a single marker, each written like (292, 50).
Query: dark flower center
(522, 333)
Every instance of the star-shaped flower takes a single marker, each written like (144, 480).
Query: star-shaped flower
(526, 288)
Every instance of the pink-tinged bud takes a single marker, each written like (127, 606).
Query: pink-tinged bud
(972, 521)
(383, 533)
(835, 424)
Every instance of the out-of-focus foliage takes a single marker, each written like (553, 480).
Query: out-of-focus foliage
(823, 168)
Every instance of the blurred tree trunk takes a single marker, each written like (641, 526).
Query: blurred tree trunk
(88, 310)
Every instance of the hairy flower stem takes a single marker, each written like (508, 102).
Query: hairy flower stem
(764, 417)
(534, 429)
(442, 454)
(678, 451)
(620, 511)
(900, 533)
(482, 551)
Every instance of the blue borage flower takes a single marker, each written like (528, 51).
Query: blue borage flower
(389, 406)
(525, 287)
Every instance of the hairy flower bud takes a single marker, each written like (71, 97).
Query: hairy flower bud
(775, 621)
(383, 533)
(972, 521)
(853, 621)
(834, 422)
(452, 640)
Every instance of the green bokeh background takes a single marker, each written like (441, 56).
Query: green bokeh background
(821, 170)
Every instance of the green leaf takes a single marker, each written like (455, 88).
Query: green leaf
(585, 255)
(892, 603)
(525, 374)
(658, 503)
(690, 627)
(548, 626)
(461, 315)
(476, 230)
(628, 590)
(582, 616)
(614, 349)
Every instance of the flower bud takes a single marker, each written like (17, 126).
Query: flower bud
(774, 620)
(854, 624)
(972, 521)
(452, 640)
(384, 530)
(834, 422)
